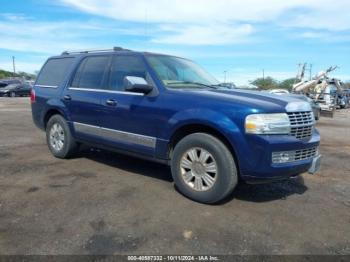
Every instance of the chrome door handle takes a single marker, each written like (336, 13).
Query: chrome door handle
(111, 102)
(67, 97)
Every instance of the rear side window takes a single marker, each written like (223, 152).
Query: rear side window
(54, 72)
(91, 72)
(123, 66)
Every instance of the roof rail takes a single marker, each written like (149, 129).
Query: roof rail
(115, 49)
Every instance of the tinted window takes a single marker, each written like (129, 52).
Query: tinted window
(90, 72)
(177, 72)
(54, 71)
(123, 66)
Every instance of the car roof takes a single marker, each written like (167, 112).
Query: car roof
(80, 54)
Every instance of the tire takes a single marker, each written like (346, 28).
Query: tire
(57, 130)
(190, 176)
(13, 94)
(317, 117)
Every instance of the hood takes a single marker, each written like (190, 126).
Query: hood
(255, 100)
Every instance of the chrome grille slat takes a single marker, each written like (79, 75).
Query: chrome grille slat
(301, 124)
(297, 155)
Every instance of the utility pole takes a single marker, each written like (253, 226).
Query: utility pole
(225, 74)
(263, 74)
(310, 71)
(14, 65)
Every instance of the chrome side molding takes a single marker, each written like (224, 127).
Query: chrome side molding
(116, 135)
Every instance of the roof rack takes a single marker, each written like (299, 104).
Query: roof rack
(114, 49)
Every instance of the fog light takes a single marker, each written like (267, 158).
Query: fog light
(283, 157)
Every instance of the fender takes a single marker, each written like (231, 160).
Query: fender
(55, 104)
(200, 116)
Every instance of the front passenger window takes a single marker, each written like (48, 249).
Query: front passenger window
(123, 66)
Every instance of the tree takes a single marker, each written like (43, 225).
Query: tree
(265, 83)
(6, 74)
(287, 84)
(26, 76)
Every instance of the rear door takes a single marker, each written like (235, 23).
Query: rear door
(82, 97)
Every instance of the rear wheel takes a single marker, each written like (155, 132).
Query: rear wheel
(203, 168)
(59, 139)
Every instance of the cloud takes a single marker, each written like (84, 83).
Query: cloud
(325, 14)
(219, 22)
(170, 11)
(20, 33)
(14, 16)
(214, 34)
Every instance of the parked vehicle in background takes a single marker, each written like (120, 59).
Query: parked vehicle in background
(279, 91)
(248, 87)
(347, 93)
(228, 85)
(169, 110)
(342, 100)
(316, 109)
(6, 82)
(14, 90)
(315, 106)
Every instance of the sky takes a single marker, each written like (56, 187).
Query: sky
(241, 38)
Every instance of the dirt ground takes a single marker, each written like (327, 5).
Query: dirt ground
(105, 203)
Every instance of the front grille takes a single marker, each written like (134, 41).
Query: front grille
(305, 153)
(292, 156)
(301, 124)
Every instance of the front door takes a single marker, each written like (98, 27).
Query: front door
(127, 119)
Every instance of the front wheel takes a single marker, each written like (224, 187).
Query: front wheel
(203, 168)
(59, 138)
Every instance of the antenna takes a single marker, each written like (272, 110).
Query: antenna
(146, 26)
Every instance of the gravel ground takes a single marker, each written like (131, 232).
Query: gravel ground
(105, 203)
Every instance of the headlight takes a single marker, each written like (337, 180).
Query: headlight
(267, 124)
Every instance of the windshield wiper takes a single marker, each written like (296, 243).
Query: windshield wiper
(193, 83)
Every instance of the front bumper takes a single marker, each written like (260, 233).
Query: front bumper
(255, 159)
(316, 165)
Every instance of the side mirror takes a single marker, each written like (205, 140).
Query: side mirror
(137, 85)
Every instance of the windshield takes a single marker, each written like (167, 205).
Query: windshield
(181, 73)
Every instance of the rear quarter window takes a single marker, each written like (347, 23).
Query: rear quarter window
(54, 72)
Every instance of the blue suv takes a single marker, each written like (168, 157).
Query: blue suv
(168, 109)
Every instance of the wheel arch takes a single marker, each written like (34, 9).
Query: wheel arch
(51, 112)
(193, 128)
